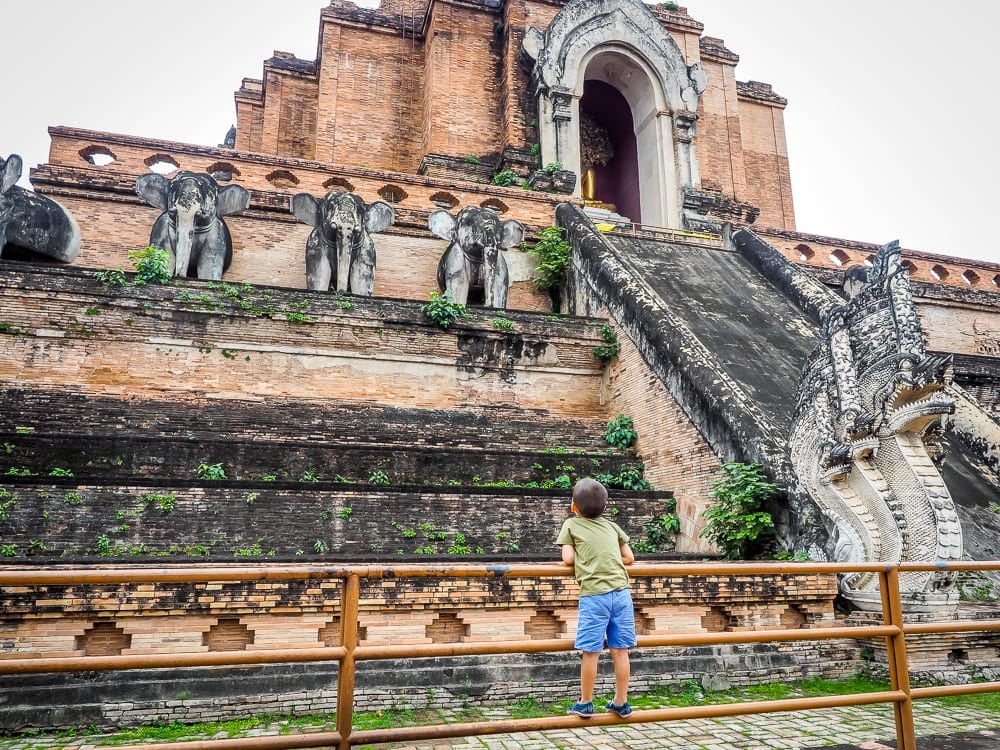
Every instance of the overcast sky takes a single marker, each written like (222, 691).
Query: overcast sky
(889, 122)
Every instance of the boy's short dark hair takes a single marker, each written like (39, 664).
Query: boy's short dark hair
(590, 497)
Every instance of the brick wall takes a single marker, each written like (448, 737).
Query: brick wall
(190, 338)
(676, 455)
(398, 84)
(834, 254)
(765, 159)
(179, 618)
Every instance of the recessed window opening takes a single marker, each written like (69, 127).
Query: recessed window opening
(99, 156)
(161, 164)
(939, 272)
(839, 257)
(805, 252)
(496, 204)
(392, 194)
(282, 178)
(338, 183)
(222, 170)
(444, 200)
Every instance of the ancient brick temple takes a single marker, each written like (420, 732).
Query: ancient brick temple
(294, 402)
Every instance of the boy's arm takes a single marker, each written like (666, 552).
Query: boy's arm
(568, 554)
(628, 556)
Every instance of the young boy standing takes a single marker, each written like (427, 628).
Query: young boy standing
(598, 551)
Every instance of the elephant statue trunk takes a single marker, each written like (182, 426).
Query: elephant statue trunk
(191, 228)
(186, 216)
(340, 247)
(32, 222)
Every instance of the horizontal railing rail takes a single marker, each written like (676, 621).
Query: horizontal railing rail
(893, 628)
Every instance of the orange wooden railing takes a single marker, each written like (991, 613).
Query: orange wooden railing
(893, 628)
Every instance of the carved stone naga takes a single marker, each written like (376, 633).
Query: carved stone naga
(33, 222)
(870, 403)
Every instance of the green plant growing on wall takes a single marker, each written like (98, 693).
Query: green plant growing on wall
(345, 512)
(629, 477)
(735, 520)
(166, 503)
(254, 550)
(115, 278)
(58, 471)
(210, 471)
(503, 323)
(319, 547)
(460, 546)
(8, 550)
(151, 265)
(103, 546)
(470, 159)
(620, 432)
(8, 500)
(552, 167)
(309, 475)
(442, 309)
(660, 531)
(506, 178)
(379, 477)
(551, 253)
(609, 350)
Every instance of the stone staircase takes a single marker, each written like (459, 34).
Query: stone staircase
(227, 421)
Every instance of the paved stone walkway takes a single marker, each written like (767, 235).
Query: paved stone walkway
(851, 728)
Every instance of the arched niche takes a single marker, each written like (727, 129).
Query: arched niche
(620, 43)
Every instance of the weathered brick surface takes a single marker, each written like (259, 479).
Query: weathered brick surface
(190, 338)
(925, 269)
(222, 520)
(675, 453)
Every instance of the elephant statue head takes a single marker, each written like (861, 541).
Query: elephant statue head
(32, 222)
(473, 260)
(340, 247)
(191, 228)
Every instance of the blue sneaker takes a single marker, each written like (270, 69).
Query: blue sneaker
(623, 710)
(583, 710)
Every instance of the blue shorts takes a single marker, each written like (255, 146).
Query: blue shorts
(604, 618)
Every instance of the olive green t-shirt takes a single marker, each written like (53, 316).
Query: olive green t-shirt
(598, 562)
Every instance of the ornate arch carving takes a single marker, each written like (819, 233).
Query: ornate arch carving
(584, 29)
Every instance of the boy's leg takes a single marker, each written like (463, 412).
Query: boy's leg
(588, 674)
(623, 671)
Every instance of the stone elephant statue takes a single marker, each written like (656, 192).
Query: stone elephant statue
(473, 260)
(340, 248)
(33, 222)
(191, 227)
